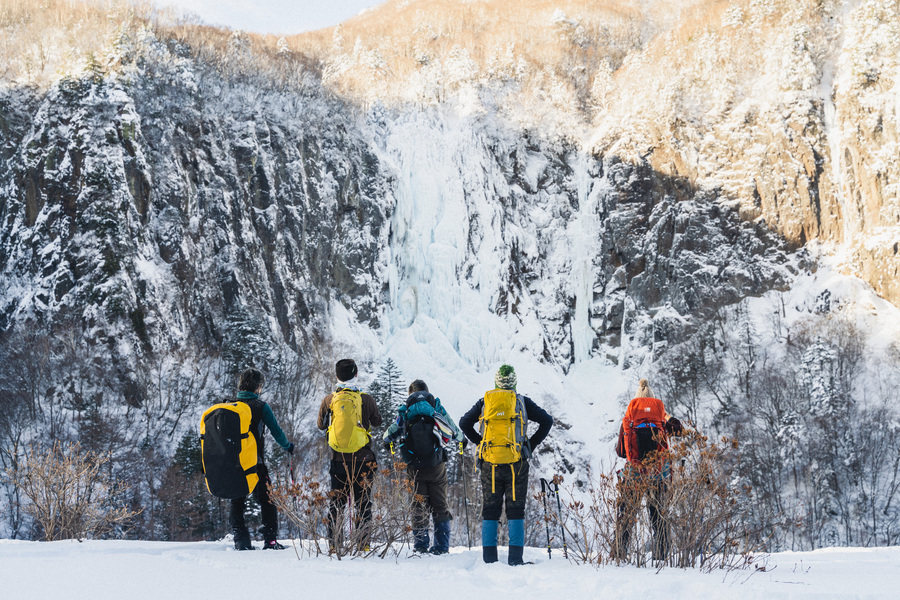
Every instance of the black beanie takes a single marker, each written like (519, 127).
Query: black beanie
(345, 369)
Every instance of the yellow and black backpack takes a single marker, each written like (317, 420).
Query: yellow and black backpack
(228, 450)
(345, 432)
(504, 423)
(503, 427)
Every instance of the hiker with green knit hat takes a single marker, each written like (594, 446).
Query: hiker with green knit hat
(503, 452)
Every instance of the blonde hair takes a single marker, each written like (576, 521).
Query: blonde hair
(644, 390)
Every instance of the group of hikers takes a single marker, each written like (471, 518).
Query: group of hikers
(419, 432)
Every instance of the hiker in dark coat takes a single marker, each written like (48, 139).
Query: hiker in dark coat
(352, 466)
(504, 469)
(419, 445)
(249, 387)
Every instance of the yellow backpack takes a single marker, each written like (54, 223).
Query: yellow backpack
(345, 432)
(228, 450)
(503, 427)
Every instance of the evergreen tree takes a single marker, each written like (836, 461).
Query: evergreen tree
(187, 510)
(389, 391)
(188, 455)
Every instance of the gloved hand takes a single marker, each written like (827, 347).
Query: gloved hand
(674, 426)
(290, 449)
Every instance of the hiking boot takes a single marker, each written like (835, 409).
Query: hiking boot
(420, 539)
(515, 555)
(441, 538)
(489, 554)
(273, 545)
(242, 539)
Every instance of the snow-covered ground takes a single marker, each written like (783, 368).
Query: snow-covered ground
(96, 570)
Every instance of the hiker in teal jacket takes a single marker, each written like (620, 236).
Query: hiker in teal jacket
(262, 417)
(415, 434)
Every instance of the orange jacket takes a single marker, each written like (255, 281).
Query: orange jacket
(644, 412)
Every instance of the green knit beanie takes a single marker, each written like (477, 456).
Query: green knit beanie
(505, 379)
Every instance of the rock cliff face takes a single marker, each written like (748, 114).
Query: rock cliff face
(510, 243)
(168, 201)
(791, 109)
(158, 215)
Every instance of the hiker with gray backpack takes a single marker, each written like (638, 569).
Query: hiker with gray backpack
(503, 452)
(418, 435)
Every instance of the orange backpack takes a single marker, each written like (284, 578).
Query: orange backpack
(644, 426)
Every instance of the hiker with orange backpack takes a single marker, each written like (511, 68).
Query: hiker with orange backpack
(348, 416)
(643, 442)
(503, 452)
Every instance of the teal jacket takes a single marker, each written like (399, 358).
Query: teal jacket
(419, 403)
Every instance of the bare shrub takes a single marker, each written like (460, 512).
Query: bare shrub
(67, 493)
(707, 506)
(305, 503)
(393, 493)
(695, 517)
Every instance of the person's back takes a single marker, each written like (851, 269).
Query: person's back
(504, 450)
(645, 428)
(421, 450)
(643, 441)
(352, 458)
(249, 387)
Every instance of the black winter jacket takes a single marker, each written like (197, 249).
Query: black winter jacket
(535, 413)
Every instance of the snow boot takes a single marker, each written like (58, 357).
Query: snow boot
(516, 541)
(273, 545)
(489, 540)
(420, 540)
(242, 539)
(441, 538)
(515, 556)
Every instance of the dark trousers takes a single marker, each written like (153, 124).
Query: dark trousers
(346, 478)
(632, 489)
(504, 482)
(430, 495)
(268, 511)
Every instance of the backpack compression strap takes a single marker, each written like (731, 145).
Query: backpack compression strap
(494, 482)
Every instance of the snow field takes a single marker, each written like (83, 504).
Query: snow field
(99, 570)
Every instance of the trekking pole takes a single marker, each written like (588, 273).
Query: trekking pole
(291, 467)
(466, 492)
(544, 486)
(562, 529)
(293, 493)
